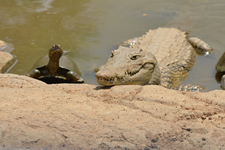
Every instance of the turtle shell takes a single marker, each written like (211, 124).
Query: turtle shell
(64, 62)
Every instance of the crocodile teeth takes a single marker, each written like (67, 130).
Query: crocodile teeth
(111, 81)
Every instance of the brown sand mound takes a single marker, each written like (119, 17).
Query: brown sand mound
(34, 115)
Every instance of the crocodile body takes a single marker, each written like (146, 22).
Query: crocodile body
(161, 57)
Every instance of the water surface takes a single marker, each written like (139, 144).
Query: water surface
(92, 29)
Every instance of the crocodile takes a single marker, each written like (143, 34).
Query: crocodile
(162, 56)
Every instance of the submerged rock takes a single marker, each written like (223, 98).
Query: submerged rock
(6, 59)
(6, 47)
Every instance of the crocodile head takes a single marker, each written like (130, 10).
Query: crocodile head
(128, 66)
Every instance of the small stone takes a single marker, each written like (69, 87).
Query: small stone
(154, 140)
(203, 117)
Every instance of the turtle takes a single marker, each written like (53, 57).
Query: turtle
(59, 68)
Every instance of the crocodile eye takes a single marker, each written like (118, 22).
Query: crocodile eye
(134, 57)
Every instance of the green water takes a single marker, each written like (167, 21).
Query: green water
(92, 29)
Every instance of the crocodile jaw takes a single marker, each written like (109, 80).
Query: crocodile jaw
(110, 77)
(122, 69)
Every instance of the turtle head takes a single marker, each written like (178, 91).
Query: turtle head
(55, 52)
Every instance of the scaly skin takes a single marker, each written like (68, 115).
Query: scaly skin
(162, 57)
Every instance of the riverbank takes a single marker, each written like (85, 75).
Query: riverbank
(35, 115)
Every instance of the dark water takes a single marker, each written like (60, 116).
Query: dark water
(91, 29)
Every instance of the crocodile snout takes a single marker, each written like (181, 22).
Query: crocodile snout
(105, 74)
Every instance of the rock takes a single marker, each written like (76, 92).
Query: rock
(6, 61)
(35, 115)
(2, 43)
(6, 47)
